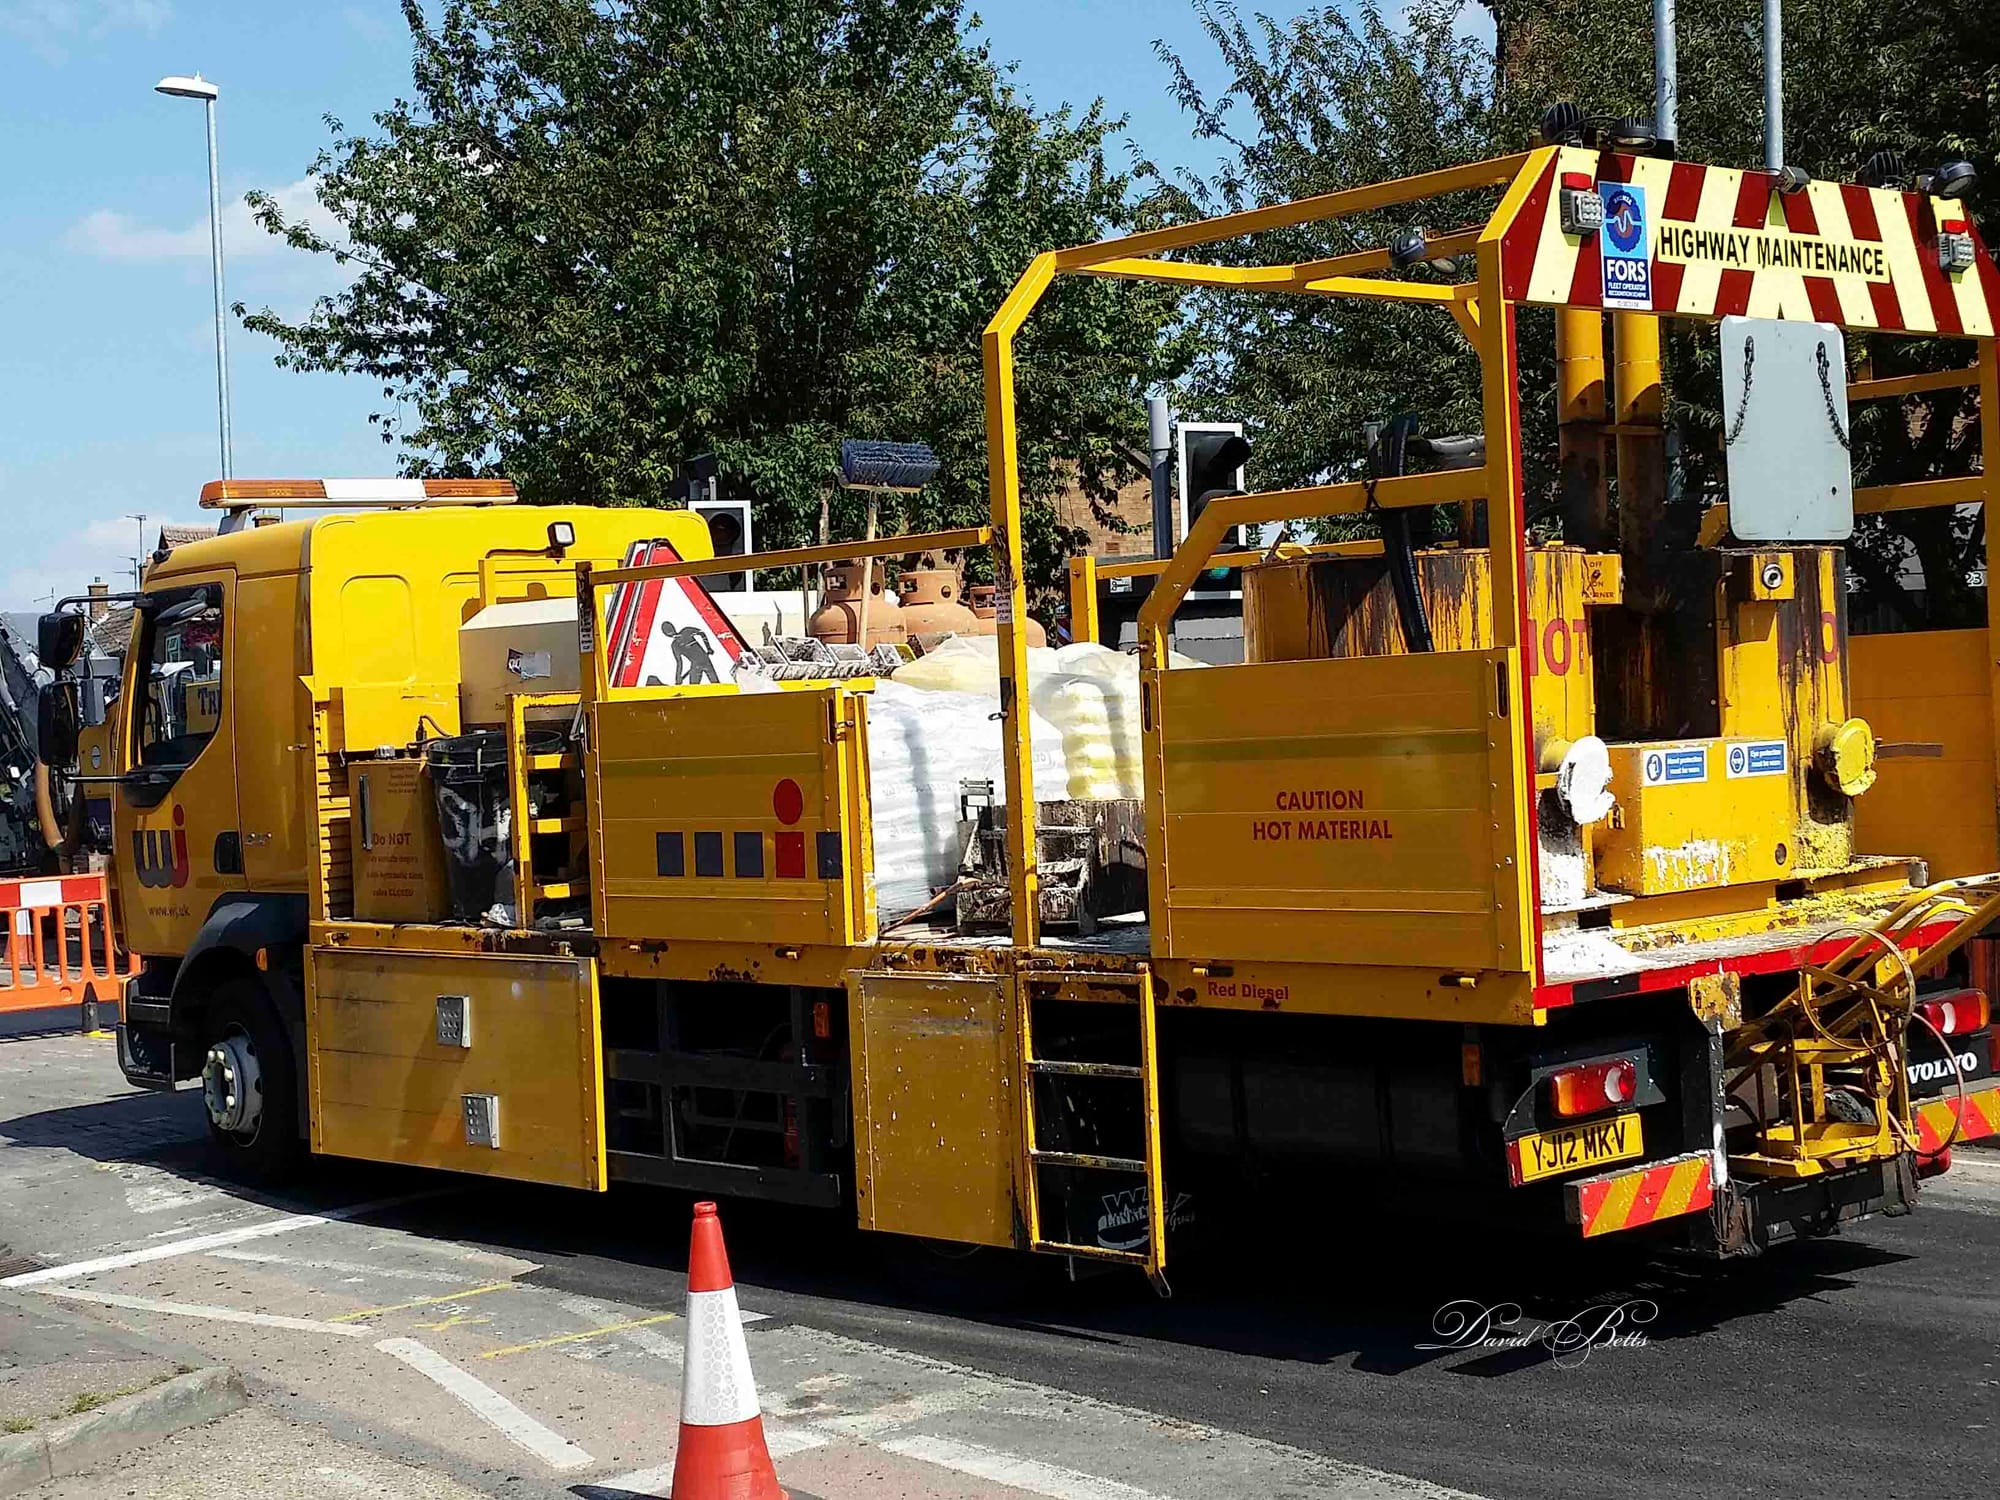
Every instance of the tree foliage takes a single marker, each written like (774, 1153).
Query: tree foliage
(1861, 76)
(1333, 98)
(1338, 97)
(606, 235)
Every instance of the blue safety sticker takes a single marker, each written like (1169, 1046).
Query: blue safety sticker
(1756, 758)
(1670, 764)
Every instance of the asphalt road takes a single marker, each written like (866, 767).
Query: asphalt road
(1867, 1364)
(1864, 1365)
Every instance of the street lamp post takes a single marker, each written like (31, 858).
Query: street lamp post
(200, 88)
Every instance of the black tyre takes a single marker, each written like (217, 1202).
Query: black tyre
(250, 1086)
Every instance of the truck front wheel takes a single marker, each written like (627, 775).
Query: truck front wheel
(249, 1086)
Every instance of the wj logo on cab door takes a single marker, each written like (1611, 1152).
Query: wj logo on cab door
(160, 856)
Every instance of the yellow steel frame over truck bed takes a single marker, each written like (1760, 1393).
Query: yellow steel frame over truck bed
(1349, 837)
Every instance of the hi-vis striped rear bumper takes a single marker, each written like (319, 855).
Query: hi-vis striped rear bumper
(1977, 1115)
(1643, 1194)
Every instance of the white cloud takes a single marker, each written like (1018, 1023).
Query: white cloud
(375, 29)
(50, 28)
(65, 563)
(110, 235)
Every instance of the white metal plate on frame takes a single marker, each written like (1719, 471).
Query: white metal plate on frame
(1790, 479)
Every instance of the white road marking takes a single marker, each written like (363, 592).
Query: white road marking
(205, 1242)
(782, 1441)
(157, 1197)
(199, 1310)
(653, 1481)
(905, 1411)
(194, 1221)
(1007, 1468)
(659, 1345)
(1285, 1469)
(649, 1340)
(397, 1240)
(349, 1267)
(489, 1405)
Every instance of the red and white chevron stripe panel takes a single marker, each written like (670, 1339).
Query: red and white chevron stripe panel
(1723, 242)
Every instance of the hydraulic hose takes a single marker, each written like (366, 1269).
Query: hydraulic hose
(45, 811)
(1398, 544)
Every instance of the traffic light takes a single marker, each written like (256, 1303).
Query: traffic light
(695, 485)
(1211, 456)
(729, 532)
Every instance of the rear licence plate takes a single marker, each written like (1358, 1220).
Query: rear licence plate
(1550, 1153)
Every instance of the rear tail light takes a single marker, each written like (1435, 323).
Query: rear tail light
(1579, 210)
(1955, 251)
(1957, 1013)
(1591, 1088)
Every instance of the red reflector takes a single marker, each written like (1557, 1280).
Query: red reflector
(822, 1020)
(1953, 226)
(1581, 181)
(1956, 1014)
(1593, 1087)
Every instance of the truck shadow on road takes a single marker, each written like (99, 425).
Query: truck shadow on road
(1309, 1290)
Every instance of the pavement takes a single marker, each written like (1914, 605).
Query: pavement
(403, 1333)
(54, 1362)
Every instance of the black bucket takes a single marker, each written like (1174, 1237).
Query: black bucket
(469, 778)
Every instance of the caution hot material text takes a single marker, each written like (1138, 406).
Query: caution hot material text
(1319, 830)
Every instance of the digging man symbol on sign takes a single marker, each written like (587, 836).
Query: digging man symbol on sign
(694, 654)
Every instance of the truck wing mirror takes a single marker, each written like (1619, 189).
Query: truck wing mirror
(59, 639)
(56, 724)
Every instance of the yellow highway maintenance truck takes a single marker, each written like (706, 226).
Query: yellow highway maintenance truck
(1607, 885)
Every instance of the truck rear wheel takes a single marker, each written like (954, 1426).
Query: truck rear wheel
(249, 1086)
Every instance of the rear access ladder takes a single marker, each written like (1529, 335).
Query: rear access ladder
(1134, 989)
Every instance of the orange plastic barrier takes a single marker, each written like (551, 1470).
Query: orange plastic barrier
(60, 947)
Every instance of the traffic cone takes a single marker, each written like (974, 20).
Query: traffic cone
(721, 1454)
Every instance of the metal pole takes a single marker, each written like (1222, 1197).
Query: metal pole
(1774, 85)
(1666, 74)
(1160, 439)
(215, 245)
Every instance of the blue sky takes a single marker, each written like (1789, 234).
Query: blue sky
(107, 380)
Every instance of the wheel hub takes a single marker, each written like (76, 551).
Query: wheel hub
(232, 1085)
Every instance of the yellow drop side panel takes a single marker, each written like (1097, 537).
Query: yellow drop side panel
(936, 1136)
(731, 816)
(1920, 689)
(1336, 811)
(386, 1088)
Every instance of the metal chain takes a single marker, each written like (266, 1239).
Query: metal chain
(1742, 402)
(1826, 390)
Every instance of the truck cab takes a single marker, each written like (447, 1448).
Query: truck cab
(240, 644)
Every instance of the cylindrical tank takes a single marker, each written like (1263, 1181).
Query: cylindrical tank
(984, 600)
(838, 617)
(931, 603)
